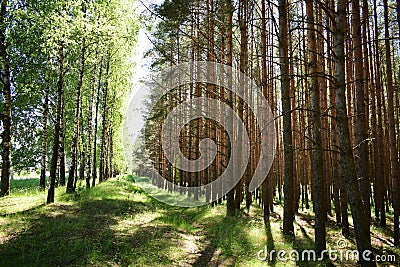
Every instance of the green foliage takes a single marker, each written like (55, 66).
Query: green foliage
(175, 11)
(35, 33)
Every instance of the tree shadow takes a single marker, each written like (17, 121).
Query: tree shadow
(86, 232)
(25, 211)
(303, 248)
(226, 238)
(206, 255)
(270, 243)
(185, 221)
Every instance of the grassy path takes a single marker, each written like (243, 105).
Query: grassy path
(116, 224)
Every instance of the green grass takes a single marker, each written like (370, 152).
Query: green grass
(117, 224)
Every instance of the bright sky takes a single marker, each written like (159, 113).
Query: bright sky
(134, 118)
(143, 45)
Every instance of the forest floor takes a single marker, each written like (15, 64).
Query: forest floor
(117, 224)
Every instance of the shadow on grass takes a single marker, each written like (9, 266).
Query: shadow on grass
(270, 243)
(206, 255)
(303, 249)
(89, 230)
(230, 237)
(69, 234)
(24, 211)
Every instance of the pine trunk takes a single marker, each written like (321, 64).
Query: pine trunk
(288, 214)
(230, 204)
(362, 133)
(243, 69)
(319, 181)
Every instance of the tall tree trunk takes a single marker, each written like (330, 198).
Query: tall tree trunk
(362, 133)
(243, 14)
(288, 214)
(319, 181)
(82, 147)
(54, 157)
(89, 123)
(335, 164)
(104, 127)
(368, 85)
(110, 148)
(75, 138)
(94, 168)
(197, 123)
(265, 185)
(6, 116)
(62, 143)
(212, 91)
(111, 155)
(230, 197)
(380, 179)
(44, 137)
(360, 219)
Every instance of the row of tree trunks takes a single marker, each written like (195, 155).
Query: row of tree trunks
(311, 158)
(87, 158)
(44, 137)
(394, 161)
